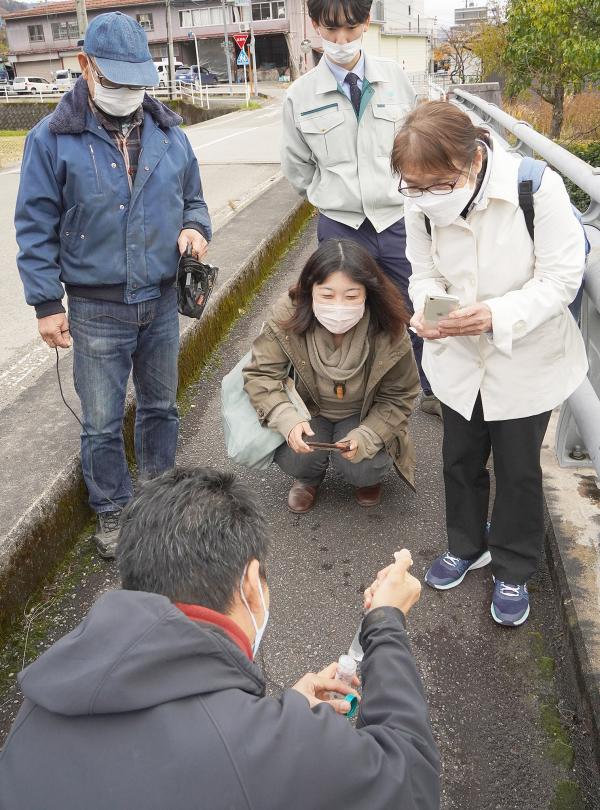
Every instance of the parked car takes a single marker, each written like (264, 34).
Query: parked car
(32, 85)
(190, 75)
(65, 79)
(163, 71)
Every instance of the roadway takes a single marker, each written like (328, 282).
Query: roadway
(239, 157)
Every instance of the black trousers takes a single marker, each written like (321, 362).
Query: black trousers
(517, 530)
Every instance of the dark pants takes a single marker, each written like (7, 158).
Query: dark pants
(109, 341)
(310, 468)
(517, 530)
(388, 248)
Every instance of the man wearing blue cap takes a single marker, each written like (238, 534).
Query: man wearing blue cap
(110, 196)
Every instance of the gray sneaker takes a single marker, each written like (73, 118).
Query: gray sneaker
(431, 404)
(107, 534)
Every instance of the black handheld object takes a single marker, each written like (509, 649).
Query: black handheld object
(195, 282)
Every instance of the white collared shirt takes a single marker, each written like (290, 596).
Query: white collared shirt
(535, 356)
(341, 73)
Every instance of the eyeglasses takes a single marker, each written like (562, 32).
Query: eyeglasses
(437, 188)
(108, 85)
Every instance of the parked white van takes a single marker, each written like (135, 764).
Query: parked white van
(163, 71)
(65, 79)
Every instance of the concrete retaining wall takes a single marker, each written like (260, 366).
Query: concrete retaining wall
(26, 114)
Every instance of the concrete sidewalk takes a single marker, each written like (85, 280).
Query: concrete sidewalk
(44, 500)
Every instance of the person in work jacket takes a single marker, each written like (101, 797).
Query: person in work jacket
(339, 122)
(341, 334)
(110, 195)
(156, 702)
(508, 355)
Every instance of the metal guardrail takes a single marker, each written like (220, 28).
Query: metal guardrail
(578, 433)
(198, 94)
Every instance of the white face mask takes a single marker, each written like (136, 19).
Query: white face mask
(117, 101)
(444, 209)
(342, 54)
(260, 631)
(338, 318)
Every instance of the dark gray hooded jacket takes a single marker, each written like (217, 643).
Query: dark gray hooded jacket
(141, 708)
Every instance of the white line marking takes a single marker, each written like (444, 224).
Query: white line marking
(224, 138)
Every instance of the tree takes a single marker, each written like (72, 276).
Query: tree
(554, 47)
(489, 41)
(457, 50)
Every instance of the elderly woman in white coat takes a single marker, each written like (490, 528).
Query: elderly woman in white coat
(508, 355)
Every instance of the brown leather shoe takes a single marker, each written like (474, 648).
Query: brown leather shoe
(368, 496)
(301, 498)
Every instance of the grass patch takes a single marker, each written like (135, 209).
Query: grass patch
(560, 749)
(7, 133)
(11, 146)
(568, 796)
(253, 105)
(582, 114)
(27, 635)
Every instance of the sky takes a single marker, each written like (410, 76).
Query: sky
(443, 10)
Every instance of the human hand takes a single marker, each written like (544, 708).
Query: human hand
(316, 688)
(54, 330)
(394, 586)
(199, 245)
(295, 440)
(473, 320)
(352, 445)
(418, 324)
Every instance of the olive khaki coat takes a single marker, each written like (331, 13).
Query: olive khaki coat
(391, 391)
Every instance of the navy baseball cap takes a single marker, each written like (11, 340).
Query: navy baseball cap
(119, 47)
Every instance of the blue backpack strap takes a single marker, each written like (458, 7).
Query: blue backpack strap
(530, 179)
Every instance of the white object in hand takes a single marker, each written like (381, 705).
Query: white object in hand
(356, 651)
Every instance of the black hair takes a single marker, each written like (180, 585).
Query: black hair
(388, 312)
(189, 534)
(336, 13)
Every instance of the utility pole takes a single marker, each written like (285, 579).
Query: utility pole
(226, 46)
(171, 53)
(82, 20)
(253, 55)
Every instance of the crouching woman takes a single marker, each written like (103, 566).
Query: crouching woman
(340, 333)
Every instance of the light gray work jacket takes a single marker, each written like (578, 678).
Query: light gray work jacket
(339, 161)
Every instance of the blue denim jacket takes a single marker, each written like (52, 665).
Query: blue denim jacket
(77, 221)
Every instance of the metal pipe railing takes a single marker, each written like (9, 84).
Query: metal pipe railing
(529, 140)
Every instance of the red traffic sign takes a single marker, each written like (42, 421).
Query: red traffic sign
(240, 40)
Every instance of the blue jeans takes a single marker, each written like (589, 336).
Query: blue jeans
(109, 341)
(388, 248)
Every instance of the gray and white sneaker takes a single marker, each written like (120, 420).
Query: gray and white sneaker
(107, 534)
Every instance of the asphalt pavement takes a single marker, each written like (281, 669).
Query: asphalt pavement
(503, 705)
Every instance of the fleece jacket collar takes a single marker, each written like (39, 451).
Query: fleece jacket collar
(202, 614)
(69, 118)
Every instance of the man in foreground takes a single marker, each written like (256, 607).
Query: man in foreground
(109, 197)
(155, 701)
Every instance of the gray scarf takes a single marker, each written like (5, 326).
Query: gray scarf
(343, 362)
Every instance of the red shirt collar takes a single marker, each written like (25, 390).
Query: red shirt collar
(207, 616)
